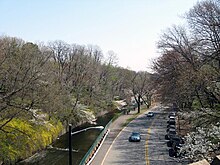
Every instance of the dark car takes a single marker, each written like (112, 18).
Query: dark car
(172, 114)
(170, 134)
(172, 117)
(150, 114)
(171, 122)
(174, 151)
(175, 139)
(171, 125)
(135, 137)
(171, 128)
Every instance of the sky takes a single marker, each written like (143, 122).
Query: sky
(130, 28)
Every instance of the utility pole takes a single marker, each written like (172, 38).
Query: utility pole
(70, 144)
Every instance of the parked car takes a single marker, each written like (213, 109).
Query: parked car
(135, 137)
(170, 134)
(172, 114)
(172, 117)
(150, 114)
(171, 125)
(174, 151)
(171, 122)
(175, 139)
(171, 128)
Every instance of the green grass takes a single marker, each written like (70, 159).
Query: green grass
(143, 110)
(116, 115)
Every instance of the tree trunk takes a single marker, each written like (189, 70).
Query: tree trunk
(139, 103)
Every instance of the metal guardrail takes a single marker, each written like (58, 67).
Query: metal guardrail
(95, 145)
(97, 142)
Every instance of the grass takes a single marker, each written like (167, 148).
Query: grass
(143, 110)
(116, 116)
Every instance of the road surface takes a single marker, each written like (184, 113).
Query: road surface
(151, 150)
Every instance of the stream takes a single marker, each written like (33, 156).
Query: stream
(58, 154)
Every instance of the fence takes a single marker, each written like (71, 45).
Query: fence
(88, 156)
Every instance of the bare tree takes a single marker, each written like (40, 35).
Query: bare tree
(188, 62)
(21, 78)
(141, 88)
(60, 54)
(204, 21)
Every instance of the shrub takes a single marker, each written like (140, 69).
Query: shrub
(19, 139)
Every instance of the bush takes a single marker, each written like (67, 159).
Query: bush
(19, 139)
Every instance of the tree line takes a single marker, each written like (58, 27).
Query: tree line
(58, 78)
(67, 83)
(188, 74)
(188, 71)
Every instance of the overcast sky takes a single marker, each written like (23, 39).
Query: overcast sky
(130, 28)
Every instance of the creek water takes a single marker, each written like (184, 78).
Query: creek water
(58, 154)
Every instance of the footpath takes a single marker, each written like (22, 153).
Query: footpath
(115, 129)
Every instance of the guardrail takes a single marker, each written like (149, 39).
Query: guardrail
(89, 155)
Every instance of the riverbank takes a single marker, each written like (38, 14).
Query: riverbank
(62, 137)
(58, 153)
(24, 138)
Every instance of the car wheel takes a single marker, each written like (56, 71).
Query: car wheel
(166, 137)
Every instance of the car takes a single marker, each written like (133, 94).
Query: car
(170, 134)
(174, 151)
(171, 128)
(171, 122)
(172, 117)
(172, 114)
(150, 114)
(175, 139)
(135, 137)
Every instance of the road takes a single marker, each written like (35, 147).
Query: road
(151, 150)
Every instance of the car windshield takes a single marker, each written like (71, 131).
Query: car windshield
(135, 134)
(172, 114)
(172, 129)
(176, 139)
(172, 132)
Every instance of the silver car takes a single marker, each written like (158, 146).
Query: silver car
(135, 137)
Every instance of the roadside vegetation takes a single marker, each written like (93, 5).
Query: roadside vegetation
(144, 108)
(24, 138)
(188, 74)
(46, 87)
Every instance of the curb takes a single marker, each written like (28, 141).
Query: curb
(97, 150)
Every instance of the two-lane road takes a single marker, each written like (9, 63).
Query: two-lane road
(151, 150)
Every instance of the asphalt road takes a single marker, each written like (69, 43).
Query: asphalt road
(151, 150)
